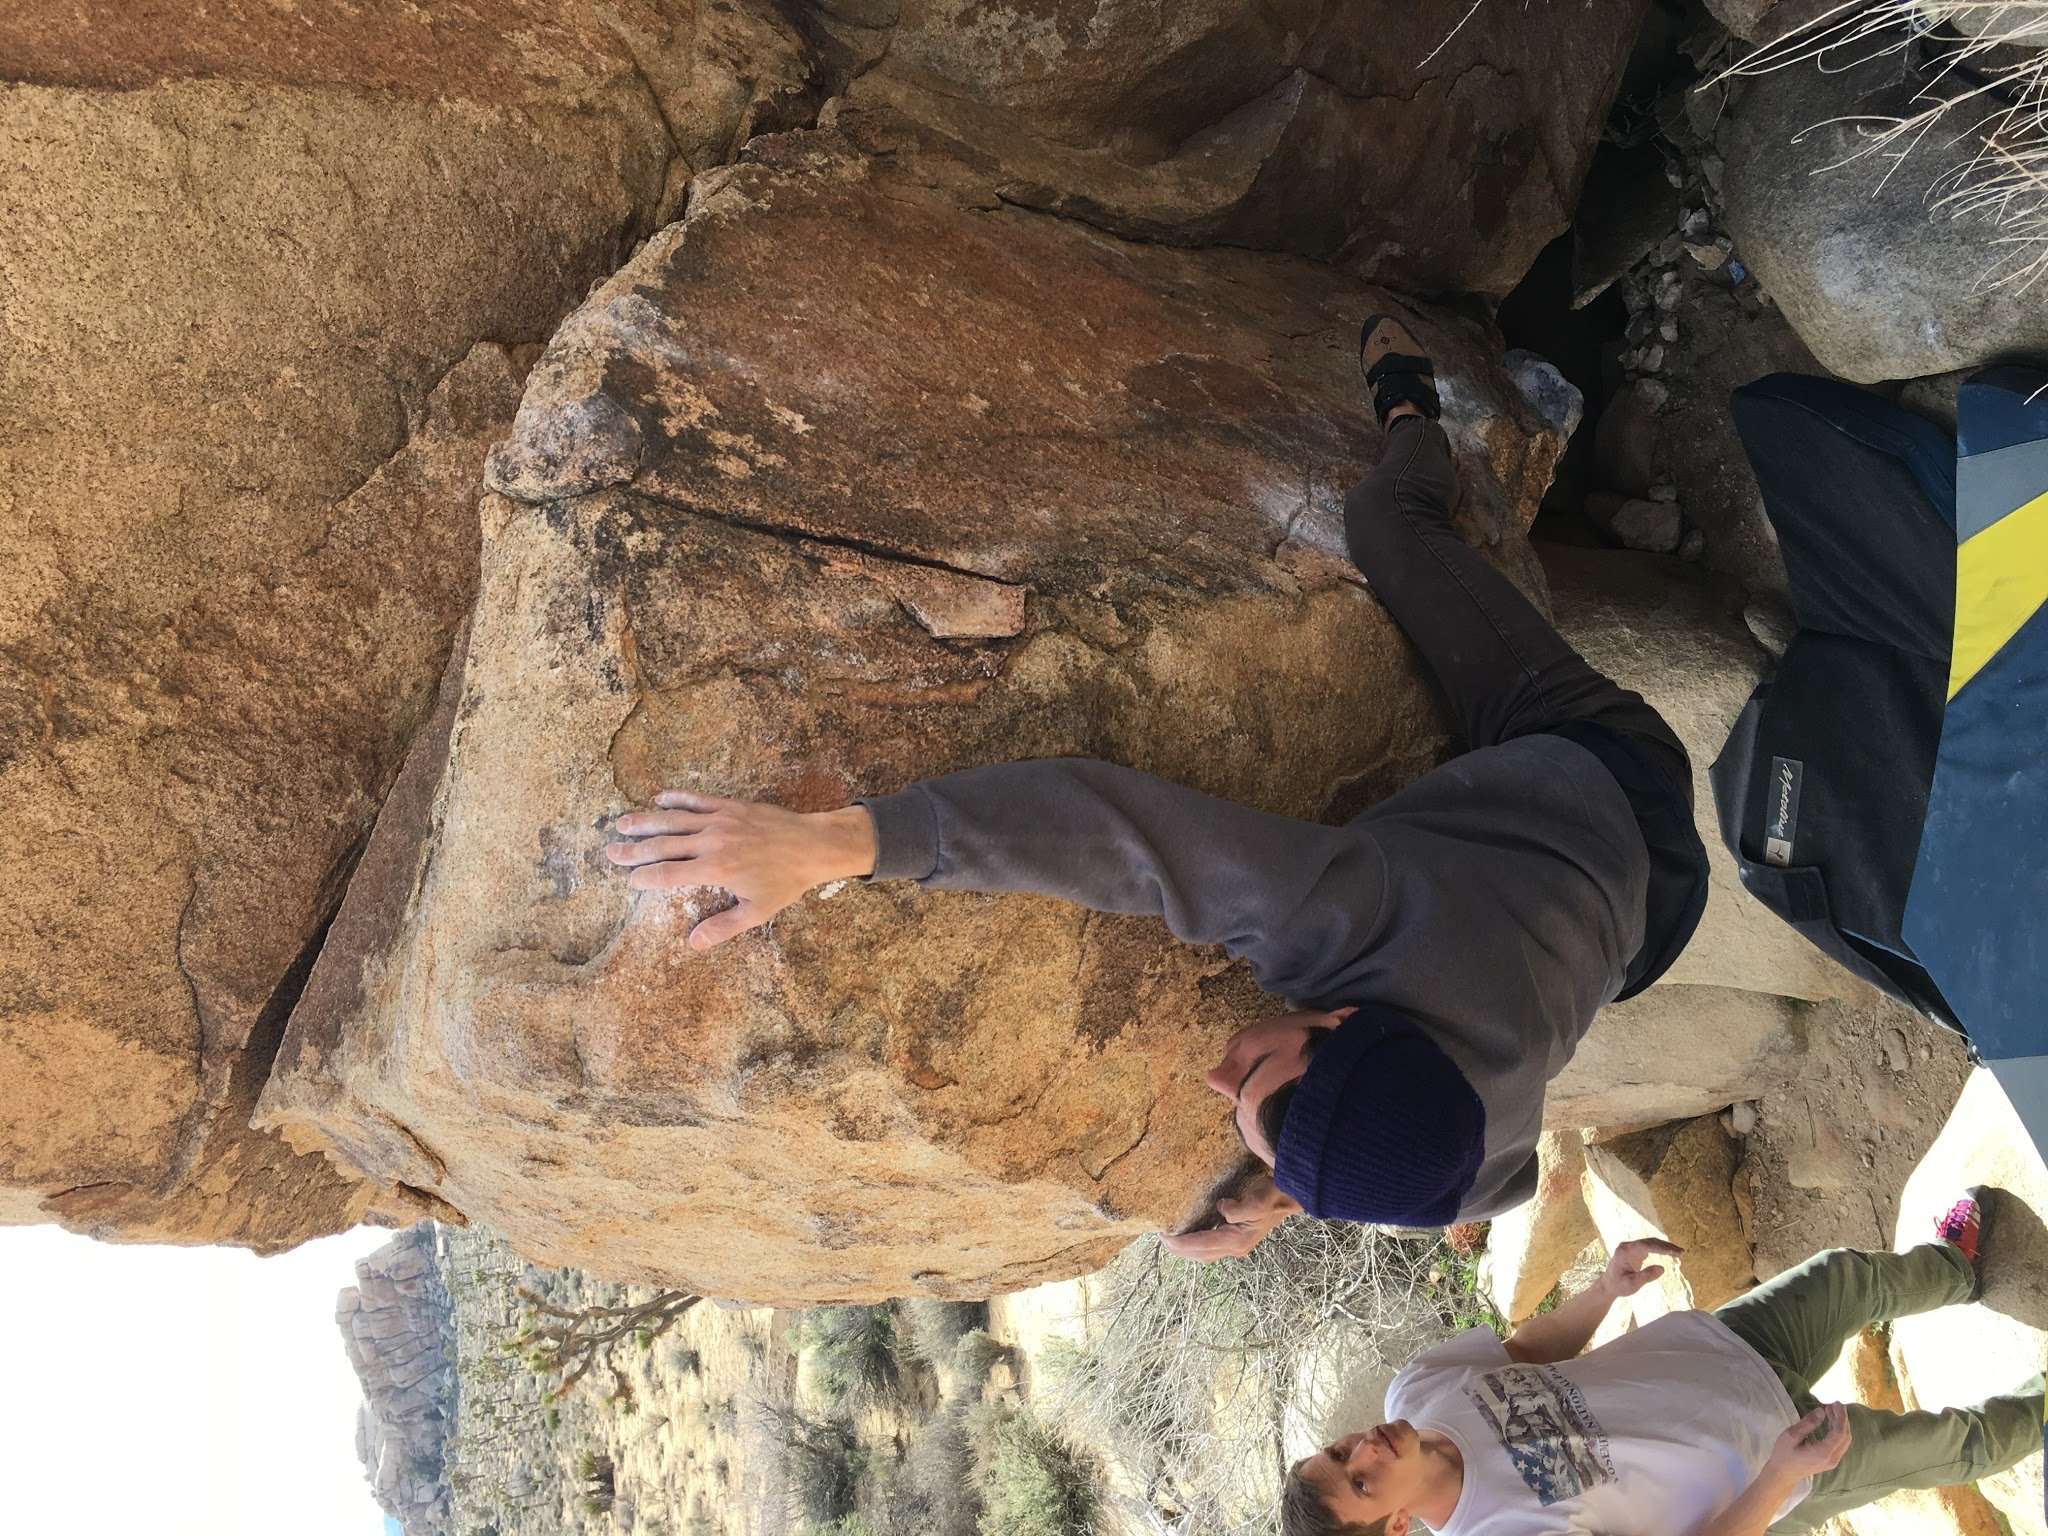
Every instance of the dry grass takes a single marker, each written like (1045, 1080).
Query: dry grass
(1986, 91)
(1200, 1367)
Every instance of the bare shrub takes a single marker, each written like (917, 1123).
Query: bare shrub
(938, 1471)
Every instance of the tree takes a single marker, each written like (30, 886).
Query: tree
(565, 1343)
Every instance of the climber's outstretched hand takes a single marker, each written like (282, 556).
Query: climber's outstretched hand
(766, 856)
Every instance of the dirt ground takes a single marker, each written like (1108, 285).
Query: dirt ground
(1829, 1155)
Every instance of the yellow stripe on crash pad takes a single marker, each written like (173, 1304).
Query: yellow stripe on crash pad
(2001, 582)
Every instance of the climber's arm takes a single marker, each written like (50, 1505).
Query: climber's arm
(1562, 1334)
(1289, 894)
(1238, 1219)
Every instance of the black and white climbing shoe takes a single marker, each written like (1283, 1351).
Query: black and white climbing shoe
(1396, 369)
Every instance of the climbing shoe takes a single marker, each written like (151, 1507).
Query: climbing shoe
(1397, 370)
(1965, 1226)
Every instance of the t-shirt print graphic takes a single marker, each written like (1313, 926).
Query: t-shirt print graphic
(1555, 1443)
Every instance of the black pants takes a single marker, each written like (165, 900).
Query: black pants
(1505, 672)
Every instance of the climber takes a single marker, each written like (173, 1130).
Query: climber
(1448, 947)
(1695, 1424)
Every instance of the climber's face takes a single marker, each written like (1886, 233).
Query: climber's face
(1262, 1058)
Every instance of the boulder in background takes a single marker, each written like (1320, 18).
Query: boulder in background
(1380, 136)
(1876, 277)
(1675, 1182)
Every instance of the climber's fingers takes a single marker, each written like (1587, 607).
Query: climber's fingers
(657, 823)
(690, 800)
(734, 920)
(671, 875)
(1213, 1243)
(657, 850)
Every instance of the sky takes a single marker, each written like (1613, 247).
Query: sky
(179, 1391)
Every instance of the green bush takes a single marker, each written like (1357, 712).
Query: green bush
(1461, 1300)
(939, 1491)
(845, 1525)
(974, 1356)
(854, 1353)
(822, 1466)
(932, 1329)
(1034, 1484)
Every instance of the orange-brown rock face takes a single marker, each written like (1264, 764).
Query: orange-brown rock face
(246, 265)
(853, 476)
(1412, 144)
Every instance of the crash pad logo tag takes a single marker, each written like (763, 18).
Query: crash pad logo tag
(1781, 810)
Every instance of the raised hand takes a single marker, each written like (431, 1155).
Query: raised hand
(766, 856)
(1630, 1269)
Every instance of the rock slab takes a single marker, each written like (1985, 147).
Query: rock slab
(1374, 134)
(1876, 276)
(1681, 643)
(1675, 1182)
(1529, 1248)
(263, 279)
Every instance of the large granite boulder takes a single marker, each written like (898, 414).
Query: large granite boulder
(1006, 486)
(246, 264)
(1676, 1051)
(1390, 137)
(1877, 274)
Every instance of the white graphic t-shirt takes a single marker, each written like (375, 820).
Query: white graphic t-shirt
(1651, 1435)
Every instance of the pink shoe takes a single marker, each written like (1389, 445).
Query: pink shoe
(1965, 1227)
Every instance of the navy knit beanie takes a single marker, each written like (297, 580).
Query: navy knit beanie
(1382, 1128)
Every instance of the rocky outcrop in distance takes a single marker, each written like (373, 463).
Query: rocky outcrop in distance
(397, 1325)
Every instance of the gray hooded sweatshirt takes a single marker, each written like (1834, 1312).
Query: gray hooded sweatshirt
(1496, 901)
